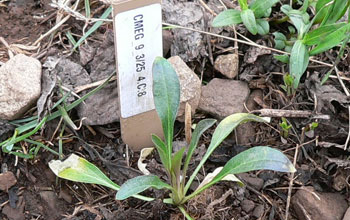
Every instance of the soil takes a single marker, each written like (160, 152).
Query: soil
(322, 162)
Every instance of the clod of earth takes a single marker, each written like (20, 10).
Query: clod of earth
(223, 97)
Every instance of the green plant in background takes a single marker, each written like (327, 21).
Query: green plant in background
(309, 42)
(166, 91)
(253, 16)
(311, 37)
(285, 127)
(288, 87)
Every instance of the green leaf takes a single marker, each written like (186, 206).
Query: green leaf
(243, 4)
(78, 169)
(331, 40)
(139, 184)
(263, 26)
(283, 58)
(299, 60)
(249, 21)
(176, 161)
(318, 35)
(256, 158)
(201, 127)
(227, 17)
(260, 7)
(321, 10)
(162, 151)
(166, 93)
(225, 127)
(280, 40)
(337, 11)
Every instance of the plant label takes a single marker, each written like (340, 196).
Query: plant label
(138, 41)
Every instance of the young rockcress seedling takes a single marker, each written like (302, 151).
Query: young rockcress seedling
(166, 92)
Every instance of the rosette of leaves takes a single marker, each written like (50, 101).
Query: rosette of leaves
(166, 92)
(252, 15)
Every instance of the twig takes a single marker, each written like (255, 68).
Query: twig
(290, 114)
(291, 182)
(79, 89)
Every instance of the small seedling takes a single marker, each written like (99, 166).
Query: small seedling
(166, 92)
(285, 128)
(252, 16)
(288, 84)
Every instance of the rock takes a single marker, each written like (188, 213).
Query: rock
(347, 214)
(190, 86)
(255, 182)
(246, 132)
(20, 80)
(7, 180)
(227, 65)
(247, 205)
(102, 107)
(223, 97)
(258, 211)
(15, 213)
(309, 204)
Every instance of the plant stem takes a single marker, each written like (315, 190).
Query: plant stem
(182, 209)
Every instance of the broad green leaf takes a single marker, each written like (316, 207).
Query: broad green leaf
(300, 20)
(227, 17)
(225, 127)
(162, 151)
(249, 21)
(283, 58)
(139, 184)
(78, 169)
(318, 35)
(243, 4)
(260, 7)
(201, 127)
(256, 158)
(299, 59)
(166, 93)
(263, 26)
(331, 40)
(337, 11)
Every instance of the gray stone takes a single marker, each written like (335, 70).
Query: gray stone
(347, 214)
(258, 211)
(309, 204)
(255, 182)
(247, 205)
(190, 86)
(227, 65)
(20, 80)
(223, 97)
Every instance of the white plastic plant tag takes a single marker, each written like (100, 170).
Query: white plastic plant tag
(139, 42)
